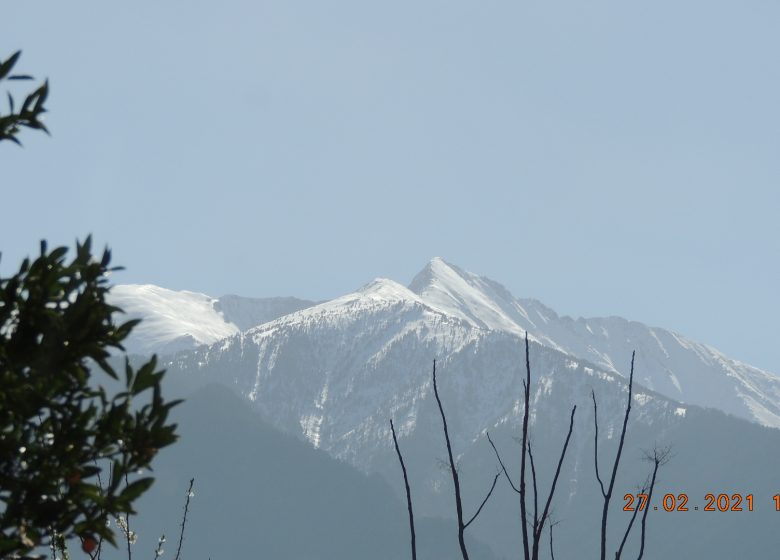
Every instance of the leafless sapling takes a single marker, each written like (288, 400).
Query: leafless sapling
(531, 548)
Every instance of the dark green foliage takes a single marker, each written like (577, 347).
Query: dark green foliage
(29, 112)
(58, 427)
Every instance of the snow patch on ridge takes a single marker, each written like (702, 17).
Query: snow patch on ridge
(171, 320)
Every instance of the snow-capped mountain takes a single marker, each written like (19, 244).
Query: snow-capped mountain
(336, 372)
(673, 365)
(182, 320)
(445, 307)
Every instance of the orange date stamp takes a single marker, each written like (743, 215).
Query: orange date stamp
(679, 502)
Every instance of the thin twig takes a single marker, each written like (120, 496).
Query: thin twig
(453, 471)
(659, 457)
(495, 479)
(596, 440)
(546, 511)
(500, 462)
(159, 550)
(526, 395)
(536, 493)
(610, 488)
(184, 519)
(100, 485)
(552, 551)
(619, 551)
(127, 527)
(408, 491)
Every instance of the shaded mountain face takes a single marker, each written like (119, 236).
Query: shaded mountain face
(261, 494)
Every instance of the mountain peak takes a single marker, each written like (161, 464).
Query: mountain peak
(384, 288)
(378, 290)
(436, 271)
(480, 301)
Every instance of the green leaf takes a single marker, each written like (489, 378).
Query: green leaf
(136, 488)
(7, 66)
(58, 253)
(43, 93)
(13, 139)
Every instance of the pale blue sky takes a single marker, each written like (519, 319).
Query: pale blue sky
(606, 157)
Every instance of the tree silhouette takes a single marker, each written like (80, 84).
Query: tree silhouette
(58, 425)
(658, 457)
(531, 549)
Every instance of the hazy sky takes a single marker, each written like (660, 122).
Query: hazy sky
(606, 157)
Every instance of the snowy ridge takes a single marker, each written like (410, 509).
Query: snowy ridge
(450, 302)
(171, 320)
(334, 373)
(316, 362)
(677, 367)
(181, 320)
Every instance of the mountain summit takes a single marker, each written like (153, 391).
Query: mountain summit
(480, 301)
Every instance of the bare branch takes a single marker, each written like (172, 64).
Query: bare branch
(159, 550)
(660, 457)
(552, 551)
(526, 395)
(625, 424)
(453, 471)
(546, 511)
(536, 492)
(596, 444)
(630, 525)
(500, 462)
(184, 518)
(473, 517)
(408, 491)
(608, 495)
